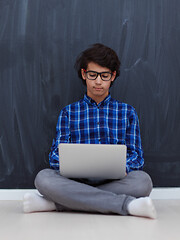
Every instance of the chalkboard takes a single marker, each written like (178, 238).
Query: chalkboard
(39, 42)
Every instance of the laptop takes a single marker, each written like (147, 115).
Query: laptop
(97, 161)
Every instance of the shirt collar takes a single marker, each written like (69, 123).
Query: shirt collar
(92, 102)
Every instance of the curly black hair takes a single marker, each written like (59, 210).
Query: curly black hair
(101, 55)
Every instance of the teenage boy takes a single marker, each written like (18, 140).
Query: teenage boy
(96, 119)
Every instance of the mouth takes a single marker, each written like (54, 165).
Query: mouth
(97, 89)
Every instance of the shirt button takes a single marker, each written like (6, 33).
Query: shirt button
(99, 140)
(98, 123)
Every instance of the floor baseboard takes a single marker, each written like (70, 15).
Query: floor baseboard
(165, 193)
(157, 193)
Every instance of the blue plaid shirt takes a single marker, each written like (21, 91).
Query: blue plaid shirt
(109, 122)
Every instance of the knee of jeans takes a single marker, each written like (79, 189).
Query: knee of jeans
(143, 184)
(147, 185)
(41, 179)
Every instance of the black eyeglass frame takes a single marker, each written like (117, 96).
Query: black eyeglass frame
(98, 73)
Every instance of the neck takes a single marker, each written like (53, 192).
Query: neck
(98, 99)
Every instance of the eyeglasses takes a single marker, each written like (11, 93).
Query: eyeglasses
(92, 75)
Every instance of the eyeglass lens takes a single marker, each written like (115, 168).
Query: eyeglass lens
(105, 76)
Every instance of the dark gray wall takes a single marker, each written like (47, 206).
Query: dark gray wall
(39, 41)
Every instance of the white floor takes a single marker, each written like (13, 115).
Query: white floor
(14, 224)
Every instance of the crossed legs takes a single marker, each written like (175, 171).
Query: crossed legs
(117, 196)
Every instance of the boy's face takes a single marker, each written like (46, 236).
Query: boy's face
(97, 89)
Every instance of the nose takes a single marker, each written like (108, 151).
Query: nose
(98, 80)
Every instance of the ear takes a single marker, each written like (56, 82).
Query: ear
(83, 74)
(113, 76)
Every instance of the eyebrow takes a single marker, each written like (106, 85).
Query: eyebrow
(97, 72)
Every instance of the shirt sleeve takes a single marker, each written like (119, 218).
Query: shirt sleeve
(135, 159)
(62, 136)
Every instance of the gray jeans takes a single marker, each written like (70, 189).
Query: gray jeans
(92, 196)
